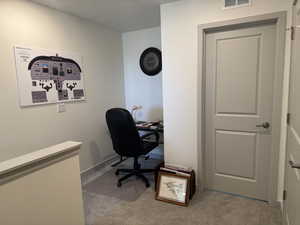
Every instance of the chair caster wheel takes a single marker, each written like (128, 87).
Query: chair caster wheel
(119, 184)
(117, 173)
(147, 185)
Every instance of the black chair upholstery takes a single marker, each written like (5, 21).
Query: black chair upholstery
(128, 143)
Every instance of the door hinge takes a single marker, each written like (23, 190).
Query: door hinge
(288, 118)
(284, 195)
(292, 33)
(295, 2)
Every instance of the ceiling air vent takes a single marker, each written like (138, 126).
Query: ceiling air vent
(236, 3)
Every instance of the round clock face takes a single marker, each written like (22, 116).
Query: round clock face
(150, 61)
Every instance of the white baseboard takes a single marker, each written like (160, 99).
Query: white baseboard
(276, 203)
(285, 218)
(280, 202)
(97, 170)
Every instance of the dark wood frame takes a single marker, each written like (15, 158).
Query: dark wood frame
(157, 197)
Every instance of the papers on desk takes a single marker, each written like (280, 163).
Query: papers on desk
(144, 124)
(149, 124)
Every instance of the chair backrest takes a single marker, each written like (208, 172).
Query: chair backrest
(124, 134)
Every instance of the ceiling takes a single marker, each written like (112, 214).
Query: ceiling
(120, 15)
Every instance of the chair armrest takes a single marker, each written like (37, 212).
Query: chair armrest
(155, 133)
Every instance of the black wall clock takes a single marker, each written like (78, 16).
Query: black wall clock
(150, 61)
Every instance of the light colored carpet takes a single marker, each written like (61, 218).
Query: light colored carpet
(133, 204)
(131, 189)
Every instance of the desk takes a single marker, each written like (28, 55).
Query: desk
(147, 127)
(150, 126)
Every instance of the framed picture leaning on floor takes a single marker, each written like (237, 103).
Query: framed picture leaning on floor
(173, 188)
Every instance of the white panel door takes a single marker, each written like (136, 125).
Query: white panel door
(292, 172)
(239, 98)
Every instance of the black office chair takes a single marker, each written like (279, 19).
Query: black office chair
(128, 143)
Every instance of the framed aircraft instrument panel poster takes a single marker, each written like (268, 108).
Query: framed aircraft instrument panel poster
(46, 76)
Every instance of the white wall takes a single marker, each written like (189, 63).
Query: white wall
(23, 130)
(181, 82)
(141, 89)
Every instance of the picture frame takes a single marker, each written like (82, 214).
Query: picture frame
(173, 188)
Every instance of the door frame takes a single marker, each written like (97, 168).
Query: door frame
(284, 207)
(279, 19)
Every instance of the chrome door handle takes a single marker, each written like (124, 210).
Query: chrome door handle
(265, 125)
(294, 165)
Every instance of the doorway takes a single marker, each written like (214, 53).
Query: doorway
(292, 169)
(242, 71)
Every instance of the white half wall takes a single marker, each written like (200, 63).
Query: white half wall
(140, 89)
(181, 81)
(24, 130)
(42, 187)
